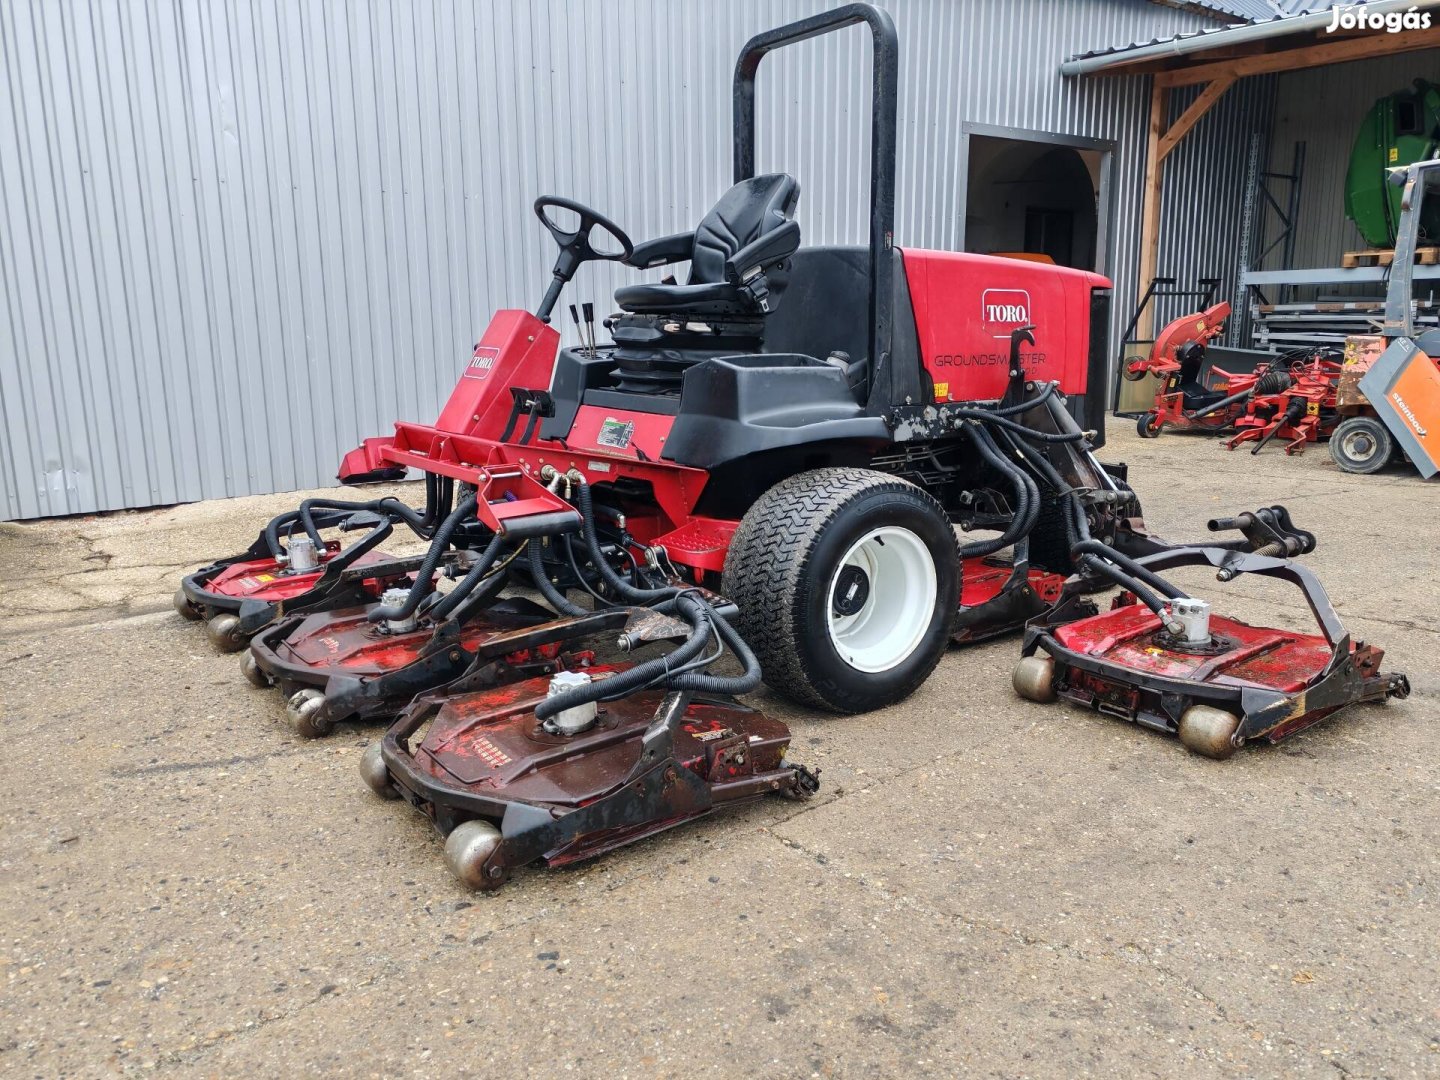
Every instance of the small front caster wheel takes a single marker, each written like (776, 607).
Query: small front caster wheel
(1209, 731)
(305, 714)
(184, 608)
(467, 848)
(1034, 679)
(375, 774)
(1148, 425)
(224, 633)
(254, 674)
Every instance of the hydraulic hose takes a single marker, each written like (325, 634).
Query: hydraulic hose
(1027, 497)
(424, 577)
(1124, 580)
(309, 506)
(272, 533)
(699, 681)
(988, 417)
(1131, 567)
(641, 674)
(1026, 405)
(553, 596)
(468, 583)
(626, 591)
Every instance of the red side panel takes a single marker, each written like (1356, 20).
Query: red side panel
(517, 350)
(967, 305)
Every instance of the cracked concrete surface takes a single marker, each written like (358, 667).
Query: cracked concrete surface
(983, 885)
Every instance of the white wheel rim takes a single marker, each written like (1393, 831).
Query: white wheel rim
(896, 612)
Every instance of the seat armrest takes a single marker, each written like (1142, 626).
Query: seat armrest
(763, 254)
(665, 249)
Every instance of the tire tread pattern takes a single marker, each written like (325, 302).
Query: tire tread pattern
(768, 556)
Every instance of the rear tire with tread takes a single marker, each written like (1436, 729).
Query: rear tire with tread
(784, 561)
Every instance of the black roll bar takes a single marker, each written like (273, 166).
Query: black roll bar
(884, 95)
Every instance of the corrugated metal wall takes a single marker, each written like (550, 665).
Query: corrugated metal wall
(238, 237)
(1348, 91)
(1205, 190)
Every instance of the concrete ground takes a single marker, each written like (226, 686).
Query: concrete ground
(983, 885)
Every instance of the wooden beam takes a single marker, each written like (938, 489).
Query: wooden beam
(1150, 205)
(1188, 119)
(1329, 52)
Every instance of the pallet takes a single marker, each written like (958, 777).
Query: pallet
(1424, 256)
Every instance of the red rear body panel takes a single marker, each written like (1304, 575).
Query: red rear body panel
(967, 305)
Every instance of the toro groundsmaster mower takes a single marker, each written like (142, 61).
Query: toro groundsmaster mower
(768, 460)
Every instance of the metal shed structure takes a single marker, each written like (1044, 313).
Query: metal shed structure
(237, 238)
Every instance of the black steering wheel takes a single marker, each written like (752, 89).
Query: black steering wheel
(580, 238)
(577, 243)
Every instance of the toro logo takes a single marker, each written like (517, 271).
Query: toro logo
(1002, 310)
(481, 363)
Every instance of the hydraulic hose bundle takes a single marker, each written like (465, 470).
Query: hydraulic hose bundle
(987, 431)
(439, 493)
(675, 670)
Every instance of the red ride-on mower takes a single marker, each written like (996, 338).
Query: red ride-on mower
(802, 427)
(1159, 658)
(799, 429)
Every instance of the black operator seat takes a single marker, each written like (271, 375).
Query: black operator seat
(733, 253)
(739, 265)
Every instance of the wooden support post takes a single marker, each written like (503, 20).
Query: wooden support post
(1158, 146)
(1150, 206)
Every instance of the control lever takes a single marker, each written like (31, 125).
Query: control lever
(589, 309)
(579, 329)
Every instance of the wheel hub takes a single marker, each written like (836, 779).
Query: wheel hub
(882, 598)
(852, 589)
(1359, 444)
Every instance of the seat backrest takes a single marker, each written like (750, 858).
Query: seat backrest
(745, 213)
(1191, 356)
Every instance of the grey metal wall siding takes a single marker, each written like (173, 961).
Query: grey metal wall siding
(1348, 91)
(239, 237)
(1205, 189)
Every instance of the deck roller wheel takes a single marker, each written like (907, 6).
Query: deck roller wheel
(254, 674)
(224, 633)
(305, 714)
(467, 848)
(1034, 679)
(184, 608)
(375, 774)
(1209, 731)
(848, 582)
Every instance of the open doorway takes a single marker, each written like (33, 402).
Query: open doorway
(1037, 197)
